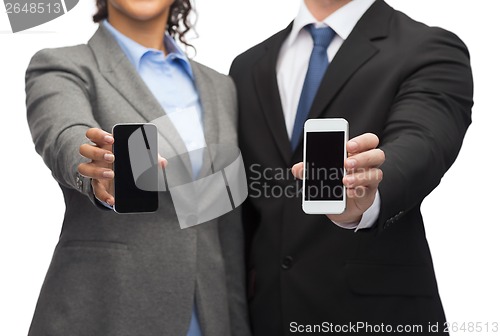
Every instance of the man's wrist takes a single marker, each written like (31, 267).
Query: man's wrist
(365, 221)
(349, 225)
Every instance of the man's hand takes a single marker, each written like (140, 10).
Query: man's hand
(362, 178)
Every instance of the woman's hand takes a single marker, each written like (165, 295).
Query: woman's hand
(100, 167)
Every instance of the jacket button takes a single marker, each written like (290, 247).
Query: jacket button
(388, 223)
(287, 263)
(79, 182)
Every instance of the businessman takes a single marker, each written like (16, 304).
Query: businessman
(406, 90)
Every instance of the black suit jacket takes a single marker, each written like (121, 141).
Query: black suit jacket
(412, 86)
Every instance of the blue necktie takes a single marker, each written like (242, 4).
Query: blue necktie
(318, 63)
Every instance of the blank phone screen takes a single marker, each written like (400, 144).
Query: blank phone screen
(324, 168)
(129, 198)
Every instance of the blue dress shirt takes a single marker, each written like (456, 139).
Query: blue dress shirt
(171, 81)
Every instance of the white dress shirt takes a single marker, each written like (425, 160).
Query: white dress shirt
(293, 62)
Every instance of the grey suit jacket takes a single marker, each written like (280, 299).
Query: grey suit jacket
(133, 274)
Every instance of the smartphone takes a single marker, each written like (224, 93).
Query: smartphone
(324, 155)
(136, 168)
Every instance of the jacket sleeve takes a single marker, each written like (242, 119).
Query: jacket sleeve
(59, 113)
(426, 124)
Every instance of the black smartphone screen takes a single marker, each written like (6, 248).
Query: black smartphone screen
(136, 168)
(324, 168)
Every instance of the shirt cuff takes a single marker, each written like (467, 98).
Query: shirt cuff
(106, 205)
(368, 219)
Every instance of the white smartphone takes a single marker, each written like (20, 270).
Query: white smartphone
(324, 156)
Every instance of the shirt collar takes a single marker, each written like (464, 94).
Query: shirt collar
(342, 21)
(135, 51)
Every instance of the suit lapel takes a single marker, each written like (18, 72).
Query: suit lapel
(208, 98)
(357, 50)
(120, 73)
(210, 105)
(266, 85)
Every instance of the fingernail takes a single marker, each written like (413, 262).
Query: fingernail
(108, 138)
(109, 157)
(353, 145)
(350, 163)
(109, 202)
(108, 174)
(349, 180)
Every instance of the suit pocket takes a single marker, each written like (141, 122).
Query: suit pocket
(85, 290)
(391, 280)
(94, 244)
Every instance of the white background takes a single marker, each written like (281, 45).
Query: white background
(461, 215)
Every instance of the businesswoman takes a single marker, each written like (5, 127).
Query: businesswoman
(137, 274)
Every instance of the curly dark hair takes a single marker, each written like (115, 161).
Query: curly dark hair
(177, 25)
